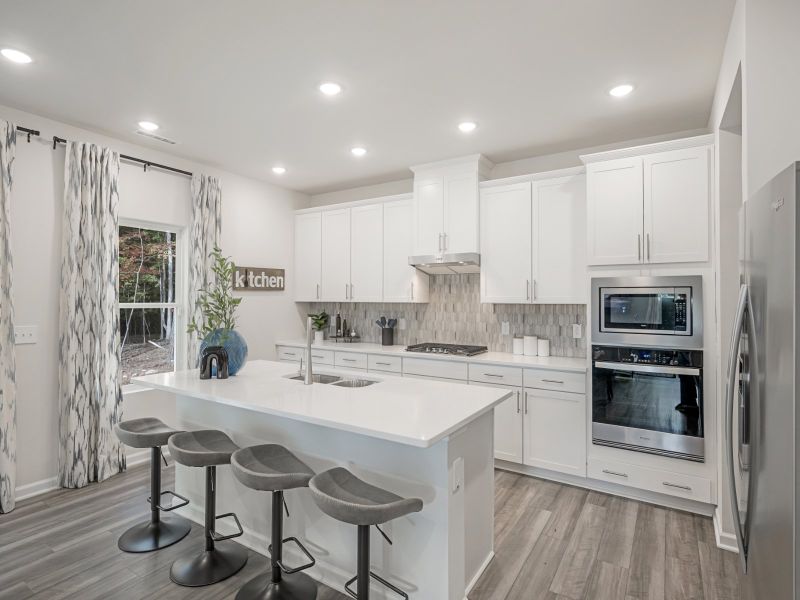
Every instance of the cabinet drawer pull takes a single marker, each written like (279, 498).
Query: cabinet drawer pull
(290, 353)
(493, 375)
(317, 356)
(349, 360)
(383, 364)
(558, 381)
(617, 473)
(526, 402)
(518, 407)
(675, 485)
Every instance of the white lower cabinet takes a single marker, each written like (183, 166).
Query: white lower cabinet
(507, 422)
(652, 479)
(555, 431)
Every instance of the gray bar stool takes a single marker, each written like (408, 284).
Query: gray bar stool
(207, 448)
(159, 532)
(343, 496)
(272, 468)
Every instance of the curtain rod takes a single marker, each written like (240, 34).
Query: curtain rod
(145, 163)
(30, 132)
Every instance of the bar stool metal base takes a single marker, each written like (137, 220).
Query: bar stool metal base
(211, 566)
(297, 586)
(149, 536)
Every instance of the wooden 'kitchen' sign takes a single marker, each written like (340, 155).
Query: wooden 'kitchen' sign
(259, 279)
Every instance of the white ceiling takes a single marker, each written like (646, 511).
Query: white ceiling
(235, 81)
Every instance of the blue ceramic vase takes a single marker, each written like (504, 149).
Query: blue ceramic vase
(233, 343)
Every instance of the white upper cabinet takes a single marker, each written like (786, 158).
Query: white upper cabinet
(401, 282)
(559, 243)
(366, 253)
(676, 205)
(650, 206)
(307, 256)
(615, 212)
(335, 278)
(446, 205)
(506, 265)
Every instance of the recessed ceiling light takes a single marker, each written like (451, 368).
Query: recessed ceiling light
(148, 125)
(467, 126)
(279, 170)
(621, 90)
(16, 56)
(358, 151)
(330, 88)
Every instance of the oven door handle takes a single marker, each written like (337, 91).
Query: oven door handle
(637, 368)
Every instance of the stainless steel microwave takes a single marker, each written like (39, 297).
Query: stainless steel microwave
(664, 312)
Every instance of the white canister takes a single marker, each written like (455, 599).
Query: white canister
(518, 346)
(544, 347)
(319, 337)
(530, 345)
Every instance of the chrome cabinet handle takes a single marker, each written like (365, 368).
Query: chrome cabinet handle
(518, 406)
(675, 485)
(639, 246)
(317, 291)
(553, 381)
(648, 247)
(493, 375)
(348, 360)
(383, 364)
(290, 353)
(527, 289)
(617, 473)
(440, 242)
(526, 402)
(351, 291)
(317, 356)
(445, 241)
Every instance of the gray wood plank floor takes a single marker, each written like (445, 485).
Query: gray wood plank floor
(552, 542)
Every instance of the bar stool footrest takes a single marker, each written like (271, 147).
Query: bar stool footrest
(380, 580)
(221, 538)
(183, 501)
(303, 549)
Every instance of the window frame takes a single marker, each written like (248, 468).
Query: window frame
(181, 298)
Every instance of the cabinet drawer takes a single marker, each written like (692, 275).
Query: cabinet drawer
(562, 381)
(390, 364)
(654, 480)
(435, 368)
(289, 353)
(351, 360)
(322, 357)
(495, 374)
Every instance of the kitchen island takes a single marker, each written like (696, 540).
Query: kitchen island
(427, 439)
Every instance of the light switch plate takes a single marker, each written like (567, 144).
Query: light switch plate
(504, 328)
(27, 334)
(577, 330)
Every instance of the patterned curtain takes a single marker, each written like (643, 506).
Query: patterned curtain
(204, 233)
(8, 400)
(90, 397)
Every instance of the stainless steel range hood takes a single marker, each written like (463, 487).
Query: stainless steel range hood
(447, 264)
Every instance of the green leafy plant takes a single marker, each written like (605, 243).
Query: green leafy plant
(320, 320)
(216, 302)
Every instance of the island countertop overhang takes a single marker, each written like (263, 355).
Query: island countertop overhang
(415, 412)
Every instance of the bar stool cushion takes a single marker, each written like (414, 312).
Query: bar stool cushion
(203, 448)
(270, 468)
(148, 432)
(345, 497)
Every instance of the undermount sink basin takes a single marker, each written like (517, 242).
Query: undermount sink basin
(318, 378)
(354, 383)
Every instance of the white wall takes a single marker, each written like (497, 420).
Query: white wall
(257, 230)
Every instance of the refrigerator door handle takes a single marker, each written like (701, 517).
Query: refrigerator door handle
(730, 392)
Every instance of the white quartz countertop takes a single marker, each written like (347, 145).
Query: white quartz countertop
(409, 411)
(556, 363)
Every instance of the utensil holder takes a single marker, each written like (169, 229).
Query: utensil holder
(387, 337)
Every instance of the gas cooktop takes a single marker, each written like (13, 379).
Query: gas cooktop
(457, 349)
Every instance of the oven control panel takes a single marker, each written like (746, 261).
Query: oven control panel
(648, 356)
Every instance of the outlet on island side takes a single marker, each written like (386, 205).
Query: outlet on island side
(577, 330)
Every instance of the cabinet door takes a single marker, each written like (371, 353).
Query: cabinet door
(307, 256)
(677, 193)
(428, 215)
(508, 424)
(614, 212)
(461, 213)
(555, 431)
(335, 278)
(401, 282)
(559, 240)
(366, 253)
(506, 234)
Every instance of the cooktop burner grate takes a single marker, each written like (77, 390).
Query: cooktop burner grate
(456, 349)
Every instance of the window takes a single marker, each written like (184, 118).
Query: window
(149, 282)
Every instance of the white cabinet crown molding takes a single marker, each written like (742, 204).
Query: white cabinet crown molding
(679, 144)
(483, 164)
(355, 203)
(567, 172)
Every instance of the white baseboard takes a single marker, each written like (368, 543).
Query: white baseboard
(29, 490)
(478, 574)
(725, 541)
(142, 455)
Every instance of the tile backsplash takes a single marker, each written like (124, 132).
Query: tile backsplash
(455, 315)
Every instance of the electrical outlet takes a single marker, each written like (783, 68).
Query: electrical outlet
(504, 328)
(401, 324)
(26, 335)
(457, 475)
(577, 330)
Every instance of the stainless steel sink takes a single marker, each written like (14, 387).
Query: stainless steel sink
(316, 378)
(354, 383)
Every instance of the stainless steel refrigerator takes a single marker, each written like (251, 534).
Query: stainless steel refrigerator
(761, 393)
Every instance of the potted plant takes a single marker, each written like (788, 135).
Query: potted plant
(319, 321)
(218, 307)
